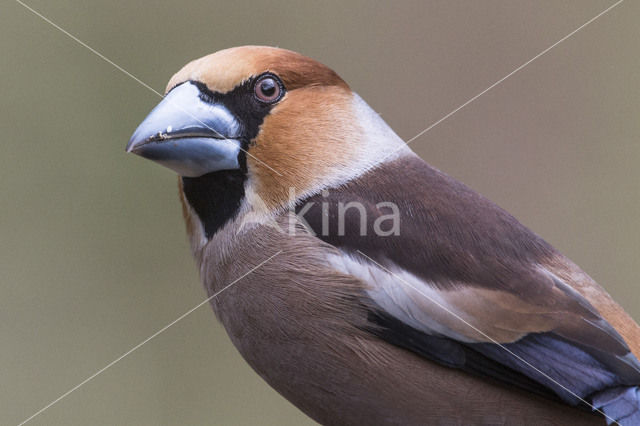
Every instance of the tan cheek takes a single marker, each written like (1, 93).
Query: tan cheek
(301, 141)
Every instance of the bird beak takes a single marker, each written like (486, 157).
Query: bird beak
(188, 134)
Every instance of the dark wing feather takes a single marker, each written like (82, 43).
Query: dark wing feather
(455, 241)
(450, 353)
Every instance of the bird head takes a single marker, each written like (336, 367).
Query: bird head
(261, 123)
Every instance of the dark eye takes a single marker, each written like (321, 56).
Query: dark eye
(267, 89)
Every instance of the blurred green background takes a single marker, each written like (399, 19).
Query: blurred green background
(94, 258)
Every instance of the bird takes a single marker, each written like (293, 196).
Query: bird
(361, 283)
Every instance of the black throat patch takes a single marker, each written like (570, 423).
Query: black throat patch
(216, 196)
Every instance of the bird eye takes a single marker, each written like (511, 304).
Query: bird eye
(268, 90)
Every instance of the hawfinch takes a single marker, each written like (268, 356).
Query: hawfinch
(369, 287)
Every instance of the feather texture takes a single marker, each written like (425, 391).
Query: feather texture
(466, 278)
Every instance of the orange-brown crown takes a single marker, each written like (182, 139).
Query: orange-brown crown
(226, 69)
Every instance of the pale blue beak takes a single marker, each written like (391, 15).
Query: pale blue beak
(189, 135)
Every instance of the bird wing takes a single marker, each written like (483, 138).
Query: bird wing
(462, 282)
